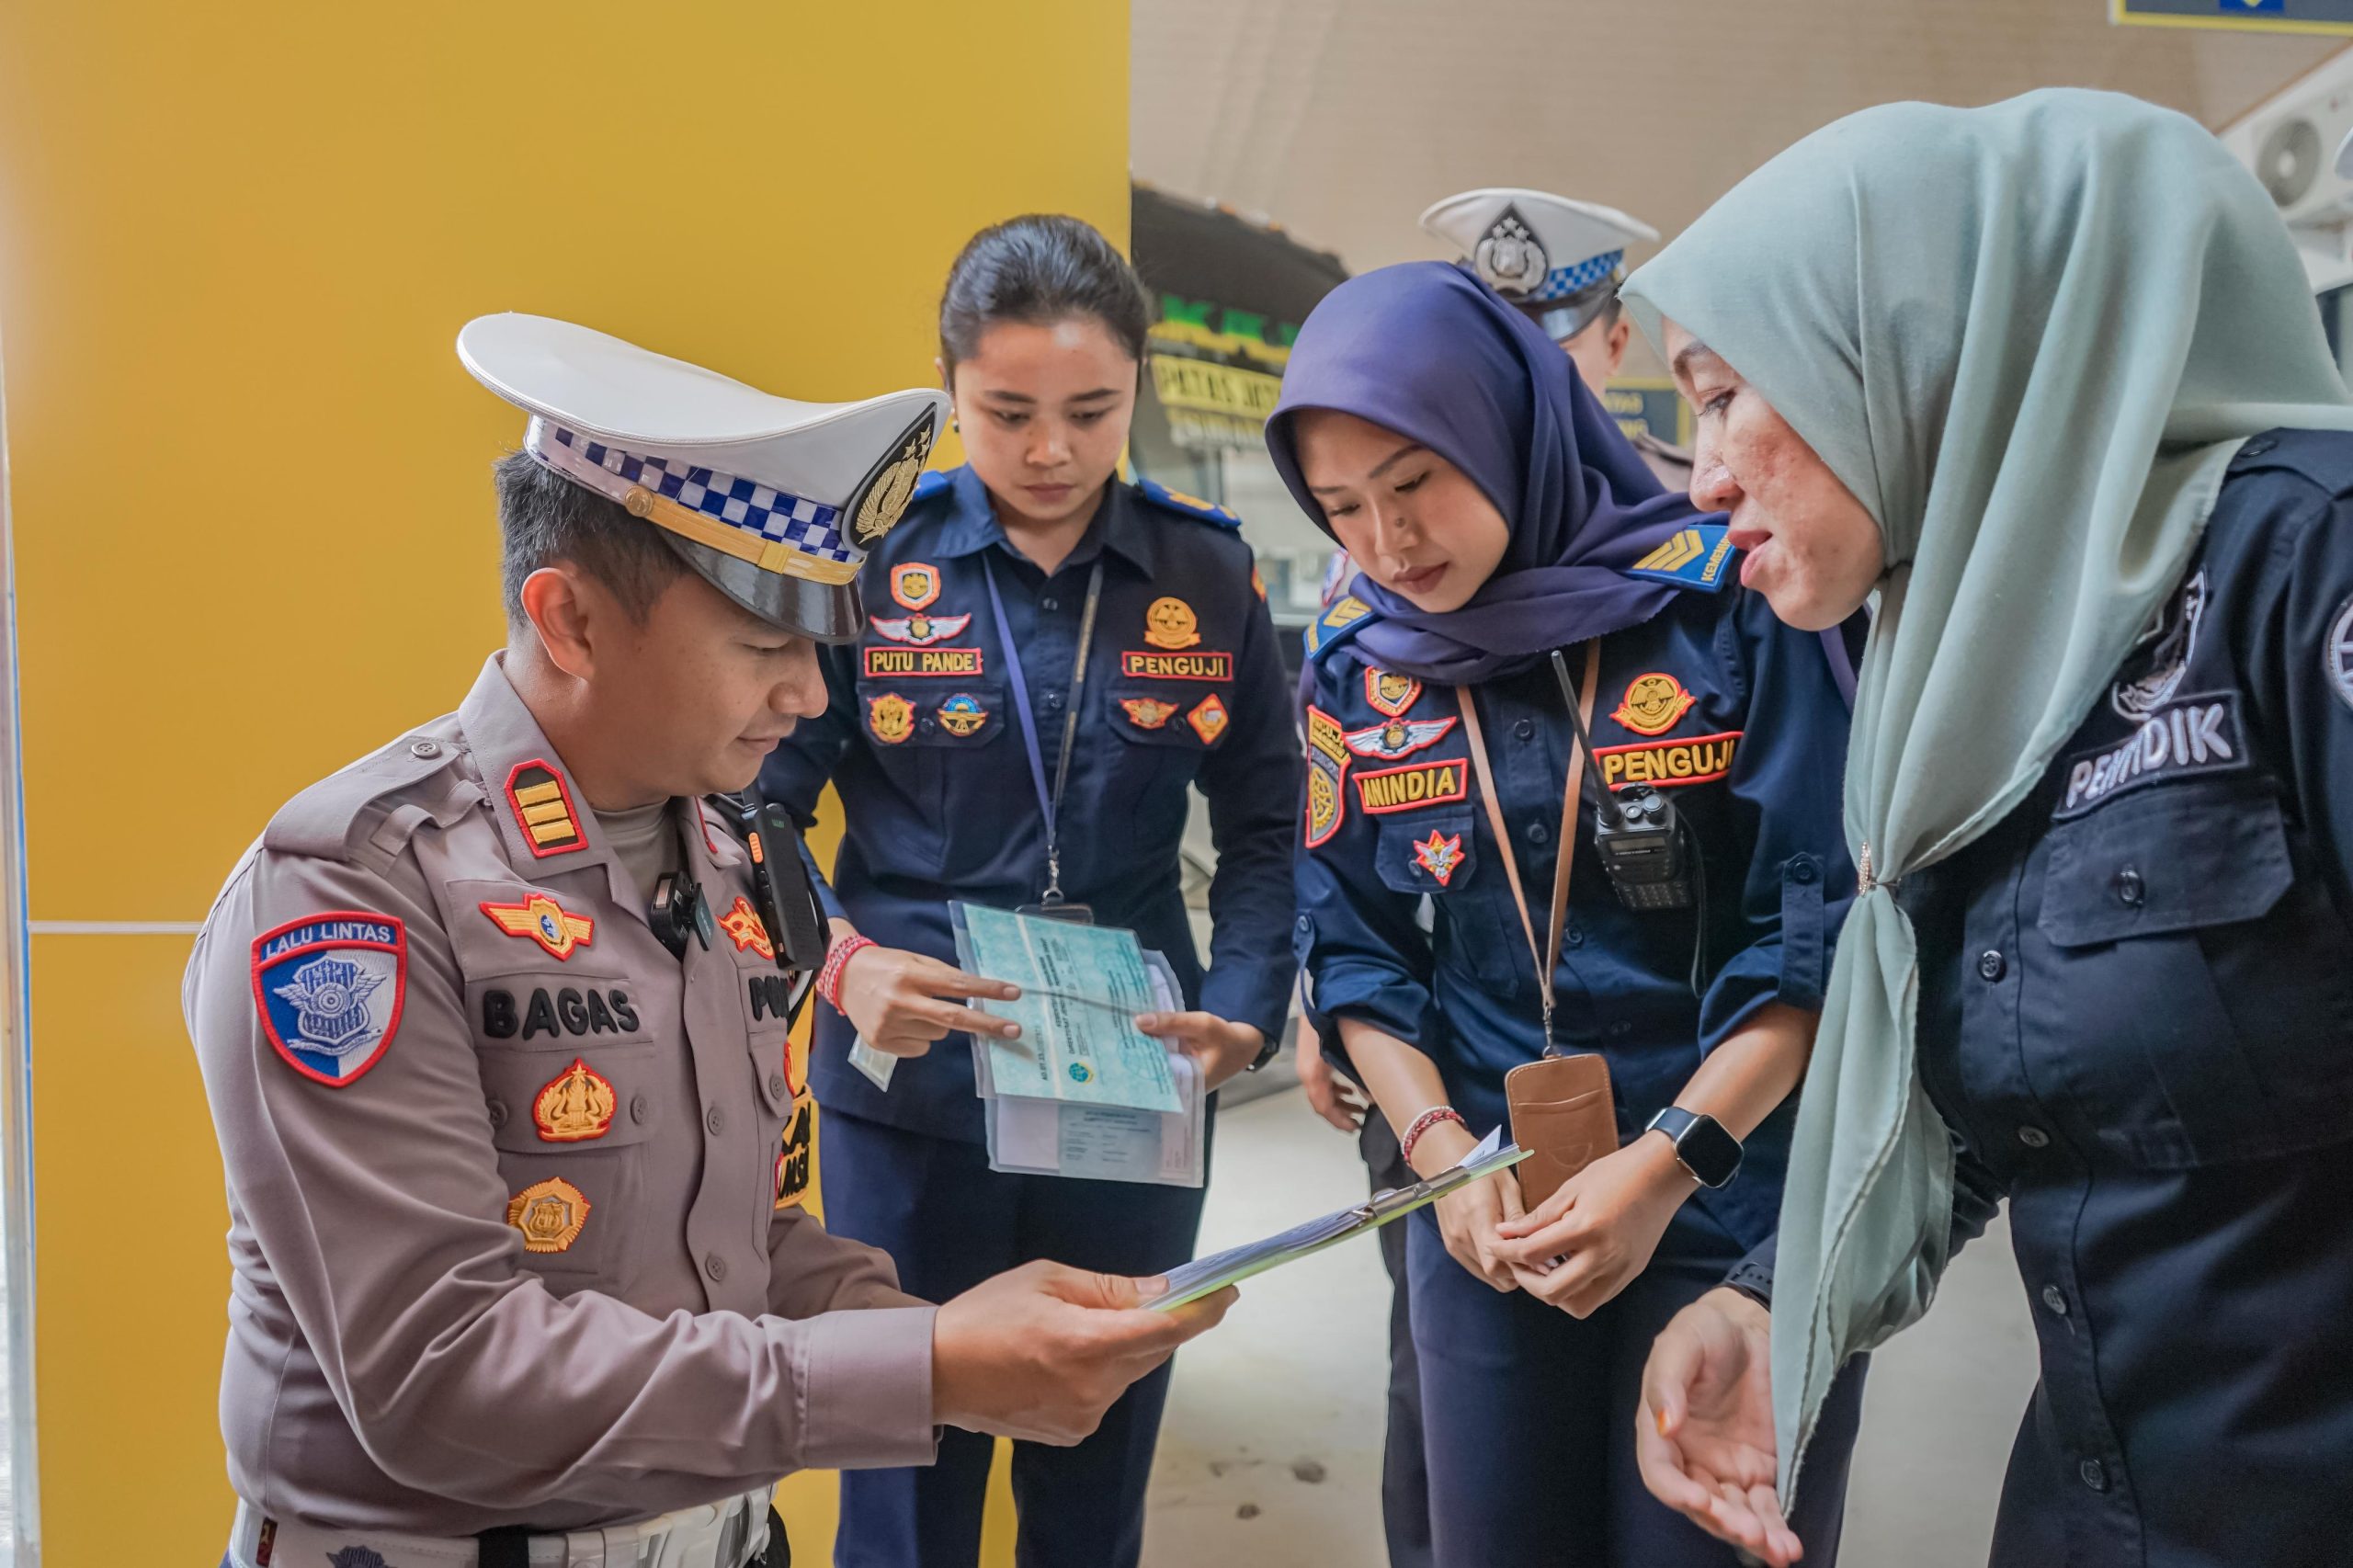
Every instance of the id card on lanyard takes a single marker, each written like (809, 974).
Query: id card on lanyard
(1050, 904)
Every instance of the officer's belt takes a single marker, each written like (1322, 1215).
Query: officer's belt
(726, 1534)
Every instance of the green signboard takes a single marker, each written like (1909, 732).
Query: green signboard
(2255, 16)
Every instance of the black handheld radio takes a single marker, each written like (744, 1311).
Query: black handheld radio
(788, 903)
(1637, 830)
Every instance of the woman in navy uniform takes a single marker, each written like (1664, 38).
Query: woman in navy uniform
(1028, 586)
(2110, 464)
(1512, 547)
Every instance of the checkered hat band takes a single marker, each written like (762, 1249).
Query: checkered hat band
(1562, 282)
(770, 515)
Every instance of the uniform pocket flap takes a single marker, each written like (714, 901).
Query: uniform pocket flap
(1159, 716)
(2164, 860)
(933, 713)
(600, 1097)
(1426, 851)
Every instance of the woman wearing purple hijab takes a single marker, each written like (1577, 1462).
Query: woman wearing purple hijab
(1463, 912)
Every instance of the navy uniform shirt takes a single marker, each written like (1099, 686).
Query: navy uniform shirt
(1728, 712)
(2136, 1015)
(1185, 686)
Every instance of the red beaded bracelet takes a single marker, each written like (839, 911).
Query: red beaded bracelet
(829, 979)
(1422, 1124)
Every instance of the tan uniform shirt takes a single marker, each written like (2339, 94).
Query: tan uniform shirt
(514, 1192)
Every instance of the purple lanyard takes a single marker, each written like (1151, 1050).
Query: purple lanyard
(1049, 800)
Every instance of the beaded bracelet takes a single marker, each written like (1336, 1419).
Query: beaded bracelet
(1422, 1124)
(829, 979)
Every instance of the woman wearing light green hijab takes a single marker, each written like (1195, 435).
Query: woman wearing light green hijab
(2047, 377)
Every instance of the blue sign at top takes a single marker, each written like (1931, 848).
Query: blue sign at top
(2259, 15)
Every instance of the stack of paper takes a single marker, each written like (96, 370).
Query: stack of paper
(1083, 1092)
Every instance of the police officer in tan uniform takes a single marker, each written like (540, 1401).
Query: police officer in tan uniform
(493, 1025)
(1560, 262)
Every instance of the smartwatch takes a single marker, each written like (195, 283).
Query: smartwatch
(1268, 1051)
(1706, 1151)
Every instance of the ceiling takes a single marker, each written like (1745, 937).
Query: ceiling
(1343, 119)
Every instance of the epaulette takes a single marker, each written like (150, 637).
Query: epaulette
(928, 484)
(333, 818)
(1188, 505)
(1341, 620)
(1693, 557)
(2324, 457)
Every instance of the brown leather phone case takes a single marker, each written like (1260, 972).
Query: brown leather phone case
(1562, 1109)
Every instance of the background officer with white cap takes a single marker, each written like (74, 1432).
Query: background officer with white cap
(493, 1025)
(1561, 262)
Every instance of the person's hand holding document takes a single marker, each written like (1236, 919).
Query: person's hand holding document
(1081, 1090)
(1207, 1276)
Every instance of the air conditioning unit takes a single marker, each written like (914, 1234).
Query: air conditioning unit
(2291, 145)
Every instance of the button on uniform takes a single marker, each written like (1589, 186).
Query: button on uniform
(2095, 1474)
(1990, 965)
(714, 1120)
(2129, 888)
(2034, 1137)
(2055, 1299)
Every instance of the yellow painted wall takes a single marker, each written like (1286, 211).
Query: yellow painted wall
(249, 480)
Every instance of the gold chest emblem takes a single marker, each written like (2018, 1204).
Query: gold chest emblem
(550, 1214)
(1170, 623)
(576, 1106)
(1654, 703)
(892, 718)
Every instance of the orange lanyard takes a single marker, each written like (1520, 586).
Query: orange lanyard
(1546, 956)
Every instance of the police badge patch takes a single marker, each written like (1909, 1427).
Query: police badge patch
(328, 989)
(2337, 657)
(1509, 258)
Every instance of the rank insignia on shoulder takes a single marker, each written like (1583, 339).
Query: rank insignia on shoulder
(1694, 557)
(914, 585)
(1209, 719)
(328, 989)
(920, 630)
(891, 718)
(575, 1106)
(1398, 737)
(1391, 694)
(543, 809)
(1147, 712)
(1440, 855)
(741, 925)
(1654, 704)
(792, 1155)
(962, 714)
(347, 1557)
(550, 1214)
(1415, 785)
(1170, 623)
(546, 921)
(1341, 620)
(1192, 505)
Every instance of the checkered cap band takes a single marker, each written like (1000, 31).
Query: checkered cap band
(1562, 282)
(810, 526)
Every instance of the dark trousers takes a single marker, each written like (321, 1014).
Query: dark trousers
(1528, 1415)
(1404, 1474)
(950, 1222)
